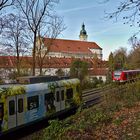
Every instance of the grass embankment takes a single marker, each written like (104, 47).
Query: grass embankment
(118, 117)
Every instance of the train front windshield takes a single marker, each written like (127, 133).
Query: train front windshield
(117, 74)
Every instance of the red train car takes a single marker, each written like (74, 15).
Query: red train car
(125, 75)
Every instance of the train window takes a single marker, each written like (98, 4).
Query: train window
(62, 95)
(49, 101)
(69, 93)
(77, 89)
(57, 96)
(49, 98)
(1, 111)
(117, 74)
(20, 105)
(11, 107)
(33, 102)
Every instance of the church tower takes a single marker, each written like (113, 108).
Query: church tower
(83, 34)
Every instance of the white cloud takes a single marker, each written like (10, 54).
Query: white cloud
(78, 9)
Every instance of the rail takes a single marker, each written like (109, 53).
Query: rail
(94, 96)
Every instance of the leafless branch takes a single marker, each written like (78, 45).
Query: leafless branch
(36, 12)
(129, 10)
(6, 3)
(53, 28)
(14, 39)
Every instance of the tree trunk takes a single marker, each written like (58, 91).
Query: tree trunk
(34, 54)
(18, 61)
(41, 71)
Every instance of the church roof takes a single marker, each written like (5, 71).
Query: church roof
(62, 45)
(50, 62)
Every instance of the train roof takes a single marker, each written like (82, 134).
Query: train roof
(41, 86)
(131, 71)
(138, 70)
(40, 79)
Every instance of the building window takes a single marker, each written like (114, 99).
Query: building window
(20, 105)
(33, 102)
(11, 107)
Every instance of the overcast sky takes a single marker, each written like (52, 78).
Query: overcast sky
(108, 34)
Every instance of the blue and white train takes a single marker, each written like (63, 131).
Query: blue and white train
(23, 104)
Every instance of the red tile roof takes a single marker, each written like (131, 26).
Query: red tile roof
(53, 62)
(26, 62)
(50, 62)
(10, 61)
(61, 45)
(98, 71)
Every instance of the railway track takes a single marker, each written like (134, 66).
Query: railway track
(92, 96)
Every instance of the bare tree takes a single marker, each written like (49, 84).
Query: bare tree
(14, 39)
(3, 5)
(54, 28)
(6, 3)
(134, 42)
(129, 10)
(134, 55)
(36, 12)
(134, 58)
(120, 58)
(2, 24)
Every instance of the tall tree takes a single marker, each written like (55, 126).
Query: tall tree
(111, 67)
(43, 45)
(14, 39)
(36, 12)
(111, 62)
(120, 58)
(134, 55)
(79, 69)
(134, 58)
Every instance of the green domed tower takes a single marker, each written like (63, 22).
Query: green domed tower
(83, 34)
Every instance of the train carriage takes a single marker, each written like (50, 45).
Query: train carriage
(125, 75)
(24, 104)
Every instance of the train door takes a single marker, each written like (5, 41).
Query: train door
(57, 99)
(62, 103)
(11, 104)
(20, 109)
